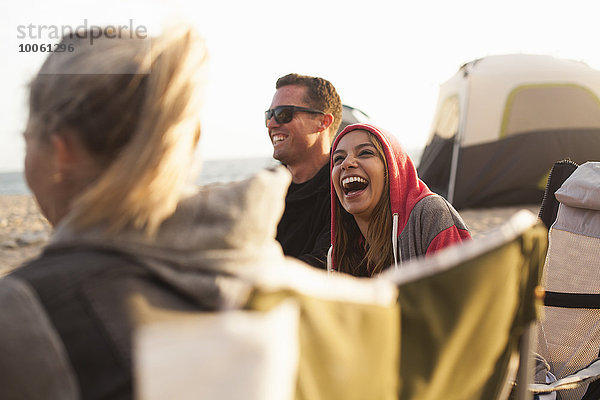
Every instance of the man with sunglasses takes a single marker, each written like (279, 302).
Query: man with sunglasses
(302, 121)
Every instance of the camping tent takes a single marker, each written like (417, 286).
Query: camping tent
(502, 121)
(351, 115)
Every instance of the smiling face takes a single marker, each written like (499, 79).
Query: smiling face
(358, 175)
(293, 141)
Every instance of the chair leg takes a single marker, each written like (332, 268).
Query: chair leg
(526, 367)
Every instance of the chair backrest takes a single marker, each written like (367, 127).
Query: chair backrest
(303, 335)
(569, 335)
(464, 309)
(349, 347)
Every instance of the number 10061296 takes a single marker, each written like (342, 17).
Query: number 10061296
(45, 48)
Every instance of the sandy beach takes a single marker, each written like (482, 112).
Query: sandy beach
(24, 231)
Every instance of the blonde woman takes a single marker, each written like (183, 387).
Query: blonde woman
(376, 196)
(110, 142)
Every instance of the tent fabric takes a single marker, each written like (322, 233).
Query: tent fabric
(464, 310)
(516, 114)
(352, 115)
(549, 107)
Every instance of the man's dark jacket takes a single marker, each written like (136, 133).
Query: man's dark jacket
(304, 229)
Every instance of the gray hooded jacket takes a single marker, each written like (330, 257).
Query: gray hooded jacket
(68, 316)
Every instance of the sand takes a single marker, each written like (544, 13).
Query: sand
(481, 220)
(24, 231)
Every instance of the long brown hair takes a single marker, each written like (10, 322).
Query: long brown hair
(375, 254)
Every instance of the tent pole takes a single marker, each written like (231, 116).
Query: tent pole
(464, 102)
(453, 167)
(456, 148)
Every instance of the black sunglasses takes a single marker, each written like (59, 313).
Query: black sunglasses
(284, 114)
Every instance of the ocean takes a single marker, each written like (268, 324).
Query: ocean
(13, 183)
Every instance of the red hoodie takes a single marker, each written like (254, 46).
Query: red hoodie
(423, 221)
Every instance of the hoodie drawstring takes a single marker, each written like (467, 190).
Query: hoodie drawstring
(394, 247)
(395, 240)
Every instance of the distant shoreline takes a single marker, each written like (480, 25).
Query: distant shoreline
(218, 170)
(13, 183)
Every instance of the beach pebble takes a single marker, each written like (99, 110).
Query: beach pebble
(29, 238)
(9, 244)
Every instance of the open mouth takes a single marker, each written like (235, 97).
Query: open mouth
(354, 184)
(277, 139)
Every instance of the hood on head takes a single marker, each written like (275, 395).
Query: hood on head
(406, 189)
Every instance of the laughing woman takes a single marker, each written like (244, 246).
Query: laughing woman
(376, 194)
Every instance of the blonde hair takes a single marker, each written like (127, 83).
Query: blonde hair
(348, 255)
(141, 123)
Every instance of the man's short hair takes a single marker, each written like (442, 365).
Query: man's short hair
(320, 94)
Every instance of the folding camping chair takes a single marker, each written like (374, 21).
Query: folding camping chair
(569, 334)
(454, 333)
(466, 309)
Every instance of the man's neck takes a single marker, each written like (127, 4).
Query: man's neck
(306, 171)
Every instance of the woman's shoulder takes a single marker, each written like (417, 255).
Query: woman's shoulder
(71, 262)
(30, 347)
(432, 206)
(436, 213)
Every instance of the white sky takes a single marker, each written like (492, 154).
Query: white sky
(387, 58)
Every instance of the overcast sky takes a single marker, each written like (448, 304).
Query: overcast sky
(387, 58)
